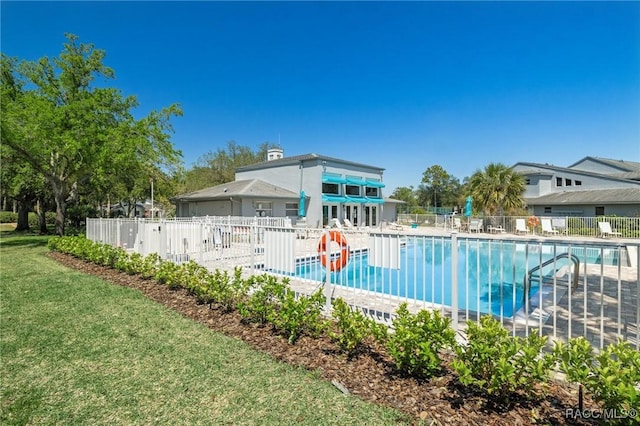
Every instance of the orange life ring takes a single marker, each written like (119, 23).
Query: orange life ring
(533, 221)
(339, 262)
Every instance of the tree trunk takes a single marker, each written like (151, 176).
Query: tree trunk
(42, 218)
(60, 195)
(23, 216)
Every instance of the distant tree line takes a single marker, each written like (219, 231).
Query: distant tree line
(495, 190)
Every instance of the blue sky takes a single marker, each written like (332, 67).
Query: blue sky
(399, 85)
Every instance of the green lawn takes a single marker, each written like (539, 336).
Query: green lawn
(75, 349)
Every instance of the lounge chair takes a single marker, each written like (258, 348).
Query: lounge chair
(606, 231)
(396, 226)
(547, 229)
(457, 224)
(521, 227)
(475, 225)
(351, 226)
(335, 223)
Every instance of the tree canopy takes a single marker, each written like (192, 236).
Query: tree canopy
(80, 138)
(215, 168)
(438, 187)
(497, 189)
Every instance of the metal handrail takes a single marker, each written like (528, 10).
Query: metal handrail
(576, 272)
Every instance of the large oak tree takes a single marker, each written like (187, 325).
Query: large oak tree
(76, 134)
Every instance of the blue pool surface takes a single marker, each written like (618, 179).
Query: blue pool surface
(490, 275)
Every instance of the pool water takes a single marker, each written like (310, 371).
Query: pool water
(490, 275)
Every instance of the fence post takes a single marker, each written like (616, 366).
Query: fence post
(252, 243)
(454, 280)
(201, 244)
(327, 278)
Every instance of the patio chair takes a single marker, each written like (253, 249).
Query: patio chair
(395, 226)
(475, 225)
(606, 231)
(521, 227)
(350, 226)
(335, 223)
(547, 229)
(457, 224)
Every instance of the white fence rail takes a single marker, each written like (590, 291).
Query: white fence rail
(561, 286)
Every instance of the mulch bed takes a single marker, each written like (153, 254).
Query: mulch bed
(369, 375)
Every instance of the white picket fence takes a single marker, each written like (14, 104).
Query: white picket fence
(560, 286)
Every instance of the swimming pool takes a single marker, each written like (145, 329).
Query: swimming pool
(490, 274)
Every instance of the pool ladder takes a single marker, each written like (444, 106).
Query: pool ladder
(530, 277)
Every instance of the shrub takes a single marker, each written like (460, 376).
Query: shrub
(353, 328)
(265, 292)
(417, 340)
(168, 273)
(297, 316)
(8, 217)
(501, 364)
(612, 377)
(227, 291)
(195, 278)
(149, 264)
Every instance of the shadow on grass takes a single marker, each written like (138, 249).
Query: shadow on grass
(23, 239)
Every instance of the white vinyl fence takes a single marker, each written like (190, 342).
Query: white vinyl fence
(561, 286)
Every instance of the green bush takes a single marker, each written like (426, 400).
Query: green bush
(297, 316)
(149, 265)
(227, 291)
(352, 328)
(501, 364)
(8, 217)
(195, 278)
(168, 273)
(417, 340)
(264, 295)
(612, 376)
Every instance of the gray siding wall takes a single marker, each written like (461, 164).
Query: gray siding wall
(307, 176)
(208, 208)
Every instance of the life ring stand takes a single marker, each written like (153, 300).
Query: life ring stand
(339, 262)
(533, 221)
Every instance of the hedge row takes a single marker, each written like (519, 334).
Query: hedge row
(504, 366)
(10, 217)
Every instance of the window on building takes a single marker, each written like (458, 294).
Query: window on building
(547, 210)
(578, 182)
(371, 192)
(599, 210)
(331, 188)
(264, 209)
(291, 209)
(559, 181)
(352, 190)
(527, 181)
(567, 182)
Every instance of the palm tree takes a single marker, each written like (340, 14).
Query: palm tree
(497, 189)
